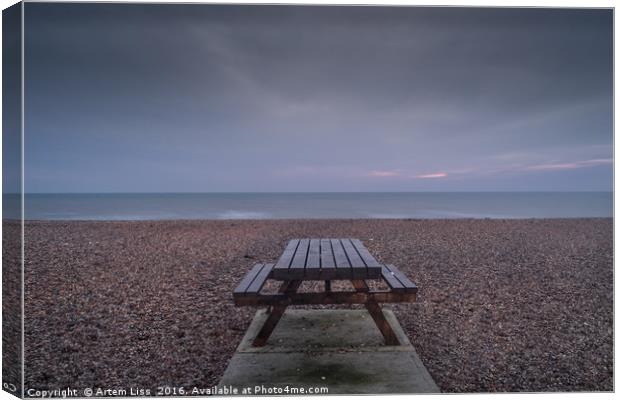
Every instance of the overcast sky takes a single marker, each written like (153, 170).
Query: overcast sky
(202, 98)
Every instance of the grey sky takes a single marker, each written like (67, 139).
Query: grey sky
(199, 98)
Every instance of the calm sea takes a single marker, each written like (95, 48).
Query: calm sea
(153, 206)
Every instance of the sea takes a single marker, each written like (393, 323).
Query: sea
(419, 205)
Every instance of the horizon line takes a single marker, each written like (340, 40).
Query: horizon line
(323, 192)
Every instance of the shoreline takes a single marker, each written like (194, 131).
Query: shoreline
(503, 305)
(27, 221)
(379, 205)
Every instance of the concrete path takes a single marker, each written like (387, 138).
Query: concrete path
(341, 350)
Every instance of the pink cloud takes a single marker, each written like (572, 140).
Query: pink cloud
(598, 161)
(543, 167)
(383, 173)
(570, 165)
(432, 176)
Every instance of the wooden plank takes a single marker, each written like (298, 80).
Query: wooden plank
(368, 259)
(284, 262)
(354, 258)
(310, 274)
(358, 268)
(339, 255)
(287, 288)
(269, 325)
(328, 263)
(307, 298)
(407, 284)
(298, 264)
(391, 280)
(384, 326)
(314, 274)
(258, 283)
(373, 273)
(327, 255)
(373, 268)
(247, 280)
(314, 255)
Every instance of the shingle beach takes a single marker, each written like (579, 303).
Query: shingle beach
(503, 305)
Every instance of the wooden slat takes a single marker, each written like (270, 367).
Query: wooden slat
(339, 255)
(317, 274)
(354, 258)
(299, 260)
(314, 255)
(285, 259)
(326, 298)
(358, 268)
(368, 259)
(391, 280)
(407, 284)
(327, 254)
(259, 281)
(247, 280)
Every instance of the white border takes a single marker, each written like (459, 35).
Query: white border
(470, 3)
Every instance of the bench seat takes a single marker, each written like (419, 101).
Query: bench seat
(254, 281)
(248, 291)
(396, 280)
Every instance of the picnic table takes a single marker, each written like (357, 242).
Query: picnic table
(324, 260)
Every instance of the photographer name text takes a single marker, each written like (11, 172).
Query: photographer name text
(173, 391)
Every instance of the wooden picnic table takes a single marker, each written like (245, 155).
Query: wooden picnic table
(325, 260)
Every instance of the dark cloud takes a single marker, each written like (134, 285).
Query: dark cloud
(240, 98)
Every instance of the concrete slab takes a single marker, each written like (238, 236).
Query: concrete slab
(341, 350)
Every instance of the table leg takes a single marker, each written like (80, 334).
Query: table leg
(360, 285)
(374, 309)
(274, 316)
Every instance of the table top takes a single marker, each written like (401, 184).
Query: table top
(326, 259)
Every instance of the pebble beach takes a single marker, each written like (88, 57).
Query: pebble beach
(503, 305)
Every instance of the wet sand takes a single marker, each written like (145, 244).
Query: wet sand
(503, 305)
